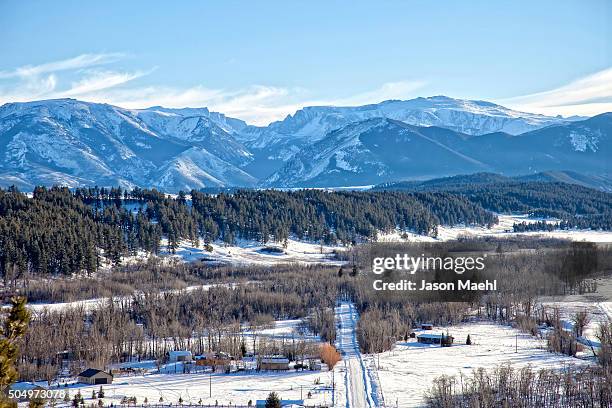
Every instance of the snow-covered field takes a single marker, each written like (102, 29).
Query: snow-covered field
(235, 388)
(501, 229)
(250, 252)
(407, 372)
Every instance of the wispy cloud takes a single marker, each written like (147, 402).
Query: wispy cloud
(80, 61)
(89, 73)
(589, 96)
(96, 81)
(92, 80)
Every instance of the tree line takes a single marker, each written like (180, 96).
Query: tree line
(57, 231)
(575, 205)
(506, 386)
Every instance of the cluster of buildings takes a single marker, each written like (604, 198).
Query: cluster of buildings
(224, 363)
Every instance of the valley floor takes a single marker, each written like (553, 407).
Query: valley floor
(397, 378)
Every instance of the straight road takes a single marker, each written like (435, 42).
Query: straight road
(356, 385)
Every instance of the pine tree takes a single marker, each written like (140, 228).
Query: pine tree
(13, 329)
(77, 399)
(273, 401)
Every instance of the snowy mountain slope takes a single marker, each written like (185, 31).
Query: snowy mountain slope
(199, 127)
(373, 150)
(232, 126)
(277, 142)
(378, 150)
(74, 143)
(583, 147)
(197, 168)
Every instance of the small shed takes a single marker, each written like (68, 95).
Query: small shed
(426, 326)
(430, 338)
(180, 355)
(94, 376)
(274, 363)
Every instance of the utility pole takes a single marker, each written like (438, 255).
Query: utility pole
(516, 344)
(210, 385)
(333, 386)
(301, 393)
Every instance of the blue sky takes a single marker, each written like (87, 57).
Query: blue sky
(262, 60)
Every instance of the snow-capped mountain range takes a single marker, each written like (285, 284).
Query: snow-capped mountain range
(71, 142)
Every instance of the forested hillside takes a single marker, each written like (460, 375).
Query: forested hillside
(575, 205)
(330, 216)
(60, 232)
(55, 232)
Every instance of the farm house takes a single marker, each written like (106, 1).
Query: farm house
(430, 338)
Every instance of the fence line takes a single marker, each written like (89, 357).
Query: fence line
(199, 406)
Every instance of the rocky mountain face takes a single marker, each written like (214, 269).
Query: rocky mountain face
(73, 143)
(379, 150)
(78, 143)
